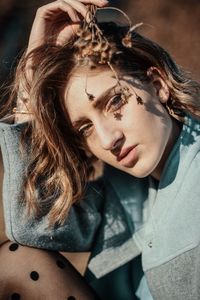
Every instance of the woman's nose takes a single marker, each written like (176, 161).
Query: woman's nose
(110, 138)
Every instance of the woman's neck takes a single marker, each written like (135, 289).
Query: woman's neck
(176, 130)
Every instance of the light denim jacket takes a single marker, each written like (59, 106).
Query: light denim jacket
(103, 223)
(173, 225)
(121, 216)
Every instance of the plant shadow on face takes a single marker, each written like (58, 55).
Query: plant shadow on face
(156, 108)
(144, 86)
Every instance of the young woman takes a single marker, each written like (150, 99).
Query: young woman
(94, 89)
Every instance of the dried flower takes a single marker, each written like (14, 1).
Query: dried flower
(94, 48)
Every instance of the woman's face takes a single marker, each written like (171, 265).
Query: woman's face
(133, 137)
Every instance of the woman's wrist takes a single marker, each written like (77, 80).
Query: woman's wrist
(22, 111)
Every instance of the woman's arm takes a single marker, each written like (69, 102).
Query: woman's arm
(56, 22)
(76, 234)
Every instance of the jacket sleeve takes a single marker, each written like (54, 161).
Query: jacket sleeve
(79, 230)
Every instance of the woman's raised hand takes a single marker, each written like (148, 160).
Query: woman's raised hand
(56, 22)
(59, 21)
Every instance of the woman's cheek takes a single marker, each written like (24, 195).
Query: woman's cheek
(94, 148)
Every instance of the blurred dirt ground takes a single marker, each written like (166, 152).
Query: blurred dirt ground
(174, 24)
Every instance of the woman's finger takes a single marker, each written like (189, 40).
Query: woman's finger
(73, 15)
(52, 13)
(99, 3)
(95, 2)
(78, 6)
(66, 34)
(47, 11)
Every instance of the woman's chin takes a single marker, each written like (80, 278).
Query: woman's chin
(140, 170)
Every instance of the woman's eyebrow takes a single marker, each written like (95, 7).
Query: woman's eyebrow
(98, 102)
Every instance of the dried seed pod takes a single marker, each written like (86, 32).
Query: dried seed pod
(84, 52)
(103, 60)
(94, 43)
(90, 96)
(104, 45)
(81, 43)
(87, 35)
(127, 41)
(139, 100)
(79, 32)
(92, 64)
(104, 55)
(97, 47)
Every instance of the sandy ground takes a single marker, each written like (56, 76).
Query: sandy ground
(79, 260)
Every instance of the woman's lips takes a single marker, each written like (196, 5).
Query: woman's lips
(128, 157)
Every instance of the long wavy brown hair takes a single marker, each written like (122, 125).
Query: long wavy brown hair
(59, 162)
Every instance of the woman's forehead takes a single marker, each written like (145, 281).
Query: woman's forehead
(96, 80)
(80, 84)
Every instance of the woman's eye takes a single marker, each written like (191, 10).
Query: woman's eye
(85, 130)
(114, 103)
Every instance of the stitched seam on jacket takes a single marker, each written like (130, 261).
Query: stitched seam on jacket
(9, 182)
